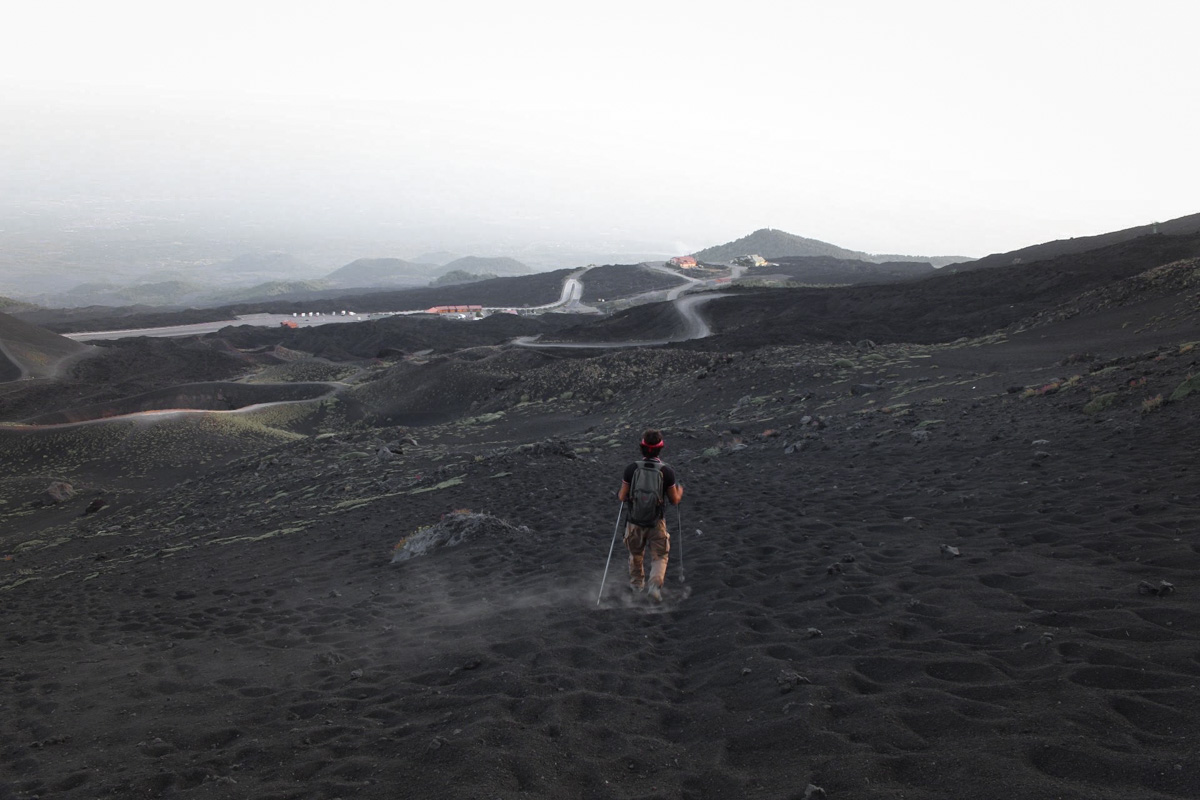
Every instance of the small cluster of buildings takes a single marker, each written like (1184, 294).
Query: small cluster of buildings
(689, 262)
(287, 323)
(454, 310)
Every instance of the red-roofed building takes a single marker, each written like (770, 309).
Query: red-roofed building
(454, 310)
(683, 262)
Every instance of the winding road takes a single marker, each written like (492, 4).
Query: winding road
(695, 326)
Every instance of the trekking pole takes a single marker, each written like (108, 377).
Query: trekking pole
(617, 527)
(679, 532)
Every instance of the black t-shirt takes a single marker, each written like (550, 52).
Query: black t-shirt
(667, 472)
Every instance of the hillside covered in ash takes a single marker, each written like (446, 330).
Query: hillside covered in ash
(935, 540)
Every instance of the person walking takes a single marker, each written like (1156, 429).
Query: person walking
(645, 486)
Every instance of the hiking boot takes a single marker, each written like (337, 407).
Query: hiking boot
(654, 591)
(637, 587)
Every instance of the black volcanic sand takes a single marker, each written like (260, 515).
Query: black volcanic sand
(244, 634)
(224, 396)
(826, 270)
(29, 351)
(114, 374)
(624, 280)
(912, 571)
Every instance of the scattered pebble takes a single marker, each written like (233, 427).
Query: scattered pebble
(789, 679)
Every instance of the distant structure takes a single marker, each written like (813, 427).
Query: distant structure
(455, 310)
(683, 262)
(287, 323)
(750, 261)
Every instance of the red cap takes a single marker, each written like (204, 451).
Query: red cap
(653, 446)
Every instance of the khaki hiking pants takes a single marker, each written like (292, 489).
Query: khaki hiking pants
(657, 542)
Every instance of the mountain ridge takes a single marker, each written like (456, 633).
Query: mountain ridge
(772, 243)
(1081, 244)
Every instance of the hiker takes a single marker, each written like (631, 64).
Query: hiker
(644, 487)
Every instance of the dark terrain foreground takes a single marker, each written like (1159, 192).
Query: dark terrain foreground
(913, 571)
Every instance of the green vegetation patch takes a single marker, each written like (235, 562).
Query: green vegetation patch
(1189, 386)
(1099, 403)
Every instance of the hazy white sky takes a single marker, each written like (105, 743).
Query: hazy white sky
(905, 127)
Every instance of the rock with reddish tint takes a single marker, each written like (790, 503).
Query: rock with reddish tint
(59, 492)
(95, 506)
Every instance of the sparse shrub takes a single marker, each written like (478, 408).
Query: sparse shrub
(1186, 347)
(844, 363)
(1192, 384)
(1152, 404)
(1099, 403)
(1045, 389)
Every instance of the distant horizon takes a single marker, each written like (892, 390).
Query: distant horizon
(929, 128)
(471, 242)
(27, 279)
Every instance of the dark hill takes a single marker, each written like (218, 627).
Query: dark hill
(111, 318)
(825, 270)
(271, 290)
(8, 305)
(379, 272)
(27, 350)
(161, 293)
(774, 244)
(1061, 247)
(938, 309)
(527, 290)
(624, 280)
(476, 265)
(393, 335)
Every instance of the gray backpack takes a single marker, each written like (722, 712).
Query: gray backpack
(646, 494)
